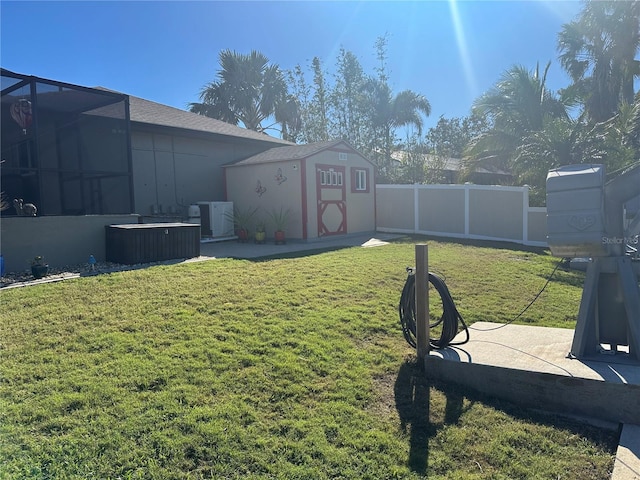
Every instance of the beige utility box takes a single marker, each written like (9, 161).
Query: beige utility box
(575, 211)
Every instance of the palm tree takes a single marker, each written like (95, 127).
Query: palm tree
(249, 90)
(516, 106)
(388, 112)
(560, 141)
(598, 51)
(623, 136)
(287, 114)
(630, 117)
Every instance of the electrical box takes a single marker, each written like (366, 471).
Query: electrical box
(575, 211)
(216, 219)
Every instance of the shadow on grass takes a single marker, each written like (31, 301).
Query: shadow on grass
(296, 254)
(568, 276)
(405, 239)
(412, 396)
(413, 390)
(475, 243)
(564, 273)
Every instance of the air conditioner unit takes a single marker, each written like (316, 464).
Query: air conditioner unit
(216, 219)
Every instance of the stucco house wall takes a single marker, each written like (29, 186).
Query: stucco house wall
(177, 156)
(171, 172)
(61, 240)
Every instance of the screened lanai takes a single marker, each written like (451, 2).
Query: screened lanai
(65, 148)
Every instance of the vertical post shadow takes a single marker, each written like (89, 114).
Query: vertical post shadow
(411, 392)
(454, 407)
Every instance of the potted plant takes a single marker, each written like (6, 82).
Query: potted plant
(261, 233)
(280, 218)
(39, 268)
(241, 219)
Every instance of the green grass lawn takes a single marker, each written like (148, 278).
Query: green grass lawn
(289, 368)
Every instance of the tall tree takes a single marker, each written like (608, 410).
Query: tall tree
(516, 106)
(388, 112)
(287, 114)
(312, 102)
(412, 161)
(560, 141)
(629, 117)
(346, 100)
(623, 136)
(358, 108)
(598, 50)
(249, 90)
(319, 110)
(451, 136)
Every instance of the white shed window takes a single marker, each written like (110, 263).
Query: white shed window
(331, 177)
(342, 156)
(361, 179)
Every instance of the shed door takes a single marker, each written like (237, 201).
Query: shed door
(331, 191)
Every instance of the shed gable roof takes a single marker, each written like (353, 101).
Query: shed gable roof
(292, 152)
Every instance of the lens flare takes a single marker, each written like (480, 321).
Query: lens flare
(462, 48)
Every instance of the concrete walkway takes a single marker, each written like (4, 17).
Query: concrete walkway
(249, 250)
(627, 466)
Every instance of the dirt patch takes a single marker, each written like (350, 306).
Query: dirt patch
(390, 393)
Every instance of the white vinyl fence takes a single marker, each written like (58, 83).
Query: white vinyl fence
(480, 212)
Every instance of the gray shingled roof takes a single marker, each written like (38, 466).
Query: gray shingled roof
(450, 164)
(152, 113)
(293, 152)
(146, 111)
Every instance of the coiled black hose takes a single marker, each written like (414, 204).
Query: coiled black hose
(450, 319)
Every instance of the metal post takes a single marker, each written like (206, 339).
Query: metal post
(422, 301)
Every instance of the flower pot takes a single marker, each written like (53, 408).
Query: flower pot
(279, 236)
(260, 237)
(243, 235)
(39, 271)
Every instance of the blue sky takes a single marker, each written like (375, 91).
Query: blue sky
(166, 51)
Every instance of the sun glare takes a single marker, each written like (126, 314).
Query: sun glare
(462, 48)
(564, 11)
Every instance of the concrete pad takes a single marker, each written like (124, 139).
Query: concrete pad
(539, 349)
(529, 366)
(627, 465)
